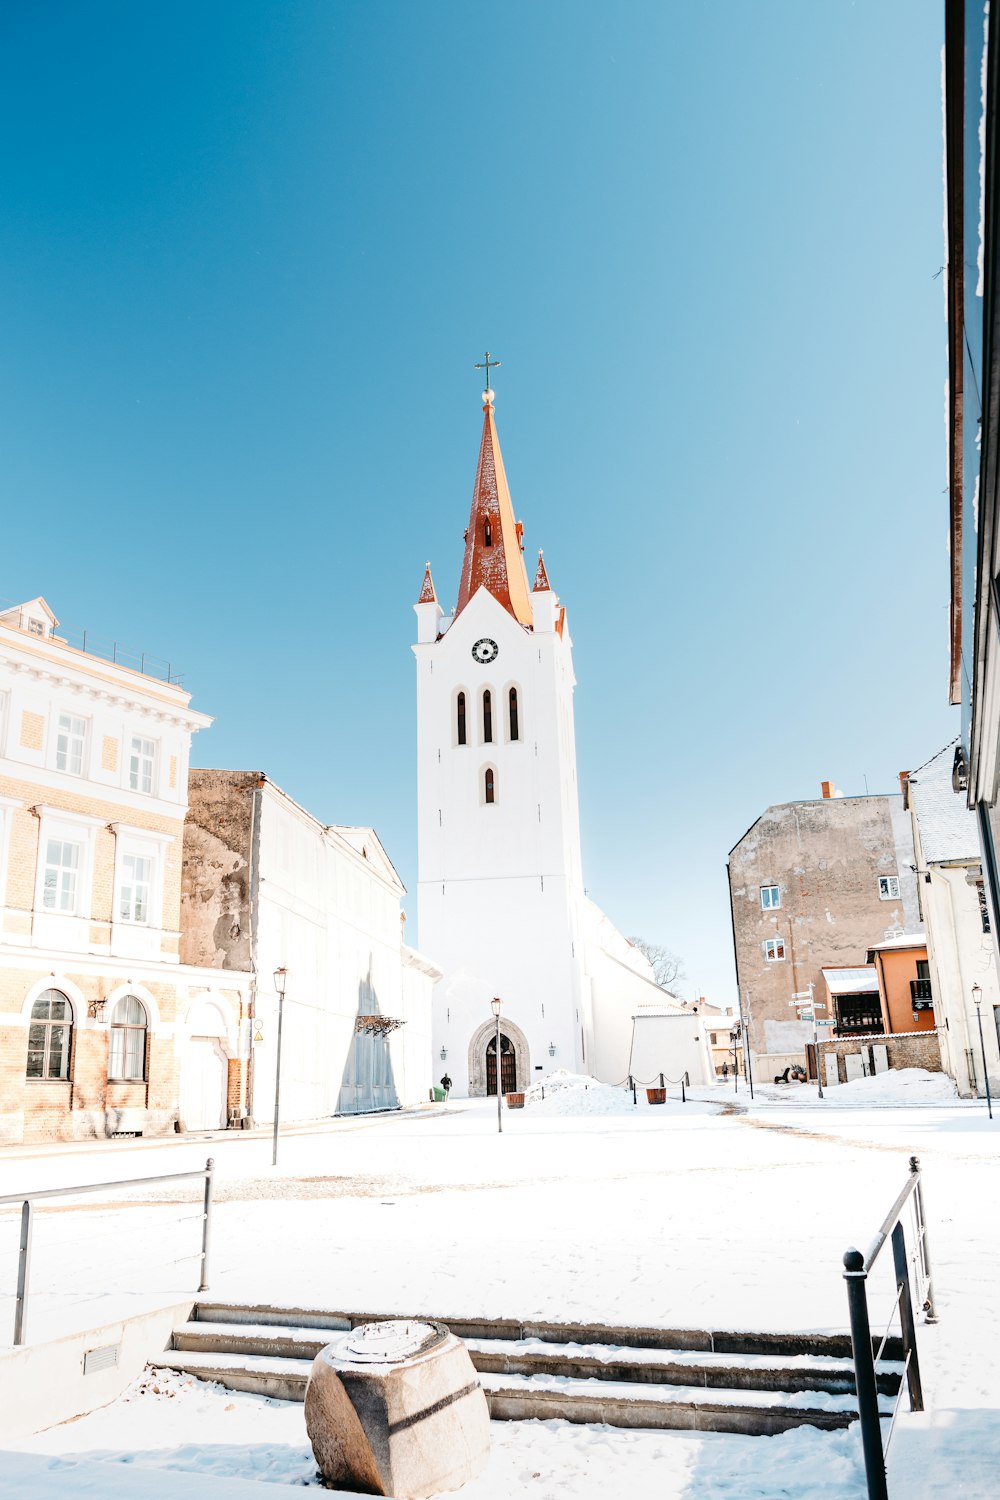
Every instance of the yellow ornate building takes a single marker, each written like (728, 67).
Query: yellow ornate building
(103, 1031)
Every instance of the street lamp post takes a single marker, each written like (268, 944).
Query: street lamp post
(495, 1003)
(280, 980)
(977, 1000)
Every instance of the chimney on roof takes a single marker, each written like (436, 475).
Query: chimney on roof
(829, 789)
(904, 777)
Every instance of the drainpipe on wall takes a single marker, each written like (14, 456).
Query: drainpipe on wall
(744, 1020)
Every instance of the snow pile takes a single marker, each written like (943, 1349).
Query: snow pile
(567, 1093)
(899, 1086)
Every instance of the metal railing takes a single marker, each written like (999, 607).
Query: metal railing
(856, 1269)
(18, 618)
(28, 1200)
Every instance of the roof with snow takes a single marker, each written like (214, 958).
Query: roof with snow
(427, 592)
(903, 940)
(947, 827)
(493, 557)
(861, 981)
(541, 577)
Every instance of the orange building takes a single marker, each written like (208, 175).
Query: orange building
(904, 983)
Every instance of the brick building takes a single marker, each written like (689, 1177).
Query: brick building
(102, 1030)
(814, 885)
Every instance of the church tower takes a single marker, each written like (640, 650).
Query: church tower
(500, 894)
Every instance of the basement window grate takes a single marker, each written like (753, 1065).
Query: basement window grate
(126, 1135)
(95, 1360)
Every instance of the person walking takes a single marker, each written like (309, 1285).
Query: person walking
(446, 1085)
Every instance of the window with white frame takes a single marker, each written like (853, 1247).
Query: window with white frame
(61, 879)
(770, 898)
(50, 1036)
(141, 764)
(774, 950)
(135, 894)
(71, 742)
(888, 888)
(127, 1044)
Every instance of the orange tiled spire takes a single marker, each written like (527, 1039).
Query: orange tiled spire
(493, 540)
(541, 577)
(427, 593)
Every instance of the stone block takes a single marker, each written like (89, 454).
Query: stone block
(396, 1408)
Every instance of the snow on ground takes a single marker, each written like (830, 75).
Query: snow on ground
(678, 1216)
(183, 1426)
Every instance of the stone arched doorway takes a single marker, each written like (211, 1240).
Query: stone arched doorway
(515, 1059)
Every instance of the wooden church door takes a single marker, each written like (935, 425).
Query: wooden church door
(508, 1067)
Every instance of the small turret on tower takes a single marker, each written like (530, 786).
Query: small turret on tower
(544, 603)
(428, 610)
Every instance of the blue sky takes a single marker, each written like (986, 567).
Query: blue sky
(251, 252)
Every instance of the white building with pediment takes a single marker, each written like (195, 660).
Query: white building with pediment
(501, 898)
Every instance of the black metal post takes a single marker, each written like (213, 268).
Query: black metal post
(632, 1083)
(986, 1072)
(662, 1085)
(906, 1324)
(864, 1374)
(23, 1271)
(683, 1094)
(206, 1228)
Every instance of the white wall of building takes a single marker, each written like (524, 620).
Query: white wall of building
(330, 914)
(500, 889)
(671, 1045)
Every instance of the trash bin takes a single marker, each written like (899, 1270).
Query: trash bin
(438, 1095)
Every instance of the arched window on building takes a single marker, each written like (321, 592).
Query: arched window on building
(460, 712)
(127, 1051)
(513, 714)
(488, 534)
(487, 717)
(490, 788)
(50, 1036)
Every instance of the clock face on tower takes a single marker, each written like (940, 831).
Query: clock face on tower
(484, 651)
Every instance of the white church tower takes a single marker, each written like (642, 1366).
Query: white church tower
(501, 900)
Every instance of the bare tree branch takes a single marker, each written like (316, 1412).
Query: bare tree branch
(668, 968)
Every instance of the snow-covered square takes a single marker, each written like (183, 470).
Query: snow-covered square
(713, 1213)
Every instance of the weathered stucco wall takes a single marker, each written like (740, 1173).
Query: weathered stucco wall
(825, 857)
(215, 881)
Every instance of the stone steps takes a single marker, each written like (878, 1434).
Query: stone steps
(754, 1383)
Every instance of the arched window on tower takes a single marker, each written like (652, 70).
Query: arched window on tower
(487, 717)
(488, 534)
(460, 713)
(512, 696)
(490, 788)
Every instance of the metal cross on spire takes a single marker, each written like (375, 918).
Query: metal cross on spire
(489, 364)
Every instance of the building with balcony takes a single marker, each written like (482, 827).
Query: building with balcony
(100, 1022)
(813, 885)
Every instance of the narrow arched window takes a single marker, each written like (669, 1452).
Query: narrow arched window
(461, 718)
(487, 717)
(50, 1036)
(127, 1050)
(490, 793)
(488, 534)
(513, 713)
